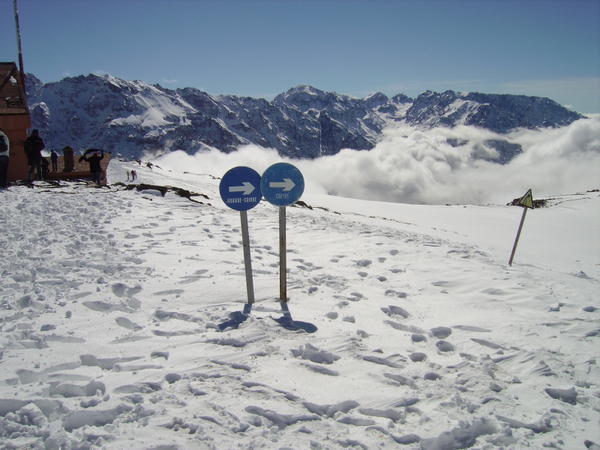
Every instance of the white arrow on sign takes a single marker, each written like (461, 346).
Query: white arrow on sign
(286, 184)
(246, 188)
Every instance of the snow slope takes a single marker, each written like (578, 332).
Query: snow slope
(111, 300)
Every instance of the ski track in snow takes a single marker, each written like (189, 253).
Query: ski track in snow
(110, 301)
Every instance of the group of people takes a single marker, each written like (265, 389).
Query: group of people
(39, 166)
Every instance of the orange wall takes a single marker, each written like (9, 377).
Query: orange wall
(15, 127)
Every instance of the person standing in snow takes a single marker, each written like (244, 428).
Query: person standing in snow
(44, 166)
(69, 163)
(133, 174)
(54, 160)
(94, 162)
(33, 148)
(4, 154)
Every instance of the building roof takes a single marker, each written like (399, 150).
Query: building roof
(12, 98)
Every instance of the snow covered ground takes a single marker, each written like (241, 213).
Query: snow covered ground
(110, 301)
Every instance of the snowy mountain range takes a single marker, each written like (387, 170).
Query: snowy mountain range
(132, 118)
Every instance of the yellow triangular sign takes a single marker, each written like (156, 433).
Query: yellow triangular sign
(526, 200)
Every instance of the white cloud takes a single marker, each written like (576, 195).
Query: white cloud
(420, 166)
(215, 162)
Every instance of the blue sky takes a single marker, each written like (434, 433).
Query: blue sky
(261, 48)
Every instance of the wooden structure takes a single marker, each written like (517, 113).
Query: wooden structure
(14, 119)
(79, 169)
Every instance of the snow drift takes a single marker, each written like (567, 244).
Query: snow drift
(111, 301)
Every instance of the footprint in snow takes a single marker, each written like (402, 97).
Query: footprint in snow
(363, 262)
(356, 297)
(315, 354)
(402, 327)
(441, 332)
(432, 376)
(444, 346)
(472, 329)
(122, 290)
(417, 357)
(107, 307)
(126, 323)
(394, 361)
(418, 338)
(394, 293)
(494, 291)
(170, 292)
(321, 370)
(229, 342)
(488, 344)
(393, 311)
(331, 410)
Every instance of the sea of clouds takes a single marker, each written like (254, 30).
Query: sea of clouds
(411, 165)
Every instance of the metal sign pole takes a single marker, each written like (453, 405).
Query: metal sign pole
(514, 249)
(247, 260)
(282, 184)
(20, 49)
(282, 256)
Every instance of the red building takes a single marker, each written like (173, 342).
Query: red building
(14, 119)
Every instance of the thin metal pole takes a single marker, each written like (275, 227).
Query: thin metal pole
(514, 249)
(20, 48)
(282, 256)
(247, 260)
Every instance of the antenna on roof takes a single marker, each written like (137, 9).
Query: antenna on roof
(21, 69)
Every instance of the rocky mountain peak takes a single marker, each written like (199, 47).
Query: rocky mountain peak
(376, 99)
(132, 117)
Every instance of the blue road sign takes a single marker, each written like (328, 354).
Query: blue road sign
(240, 188)
(282, 184)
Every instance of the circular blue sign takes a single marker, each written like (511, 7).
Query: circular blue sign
(282, 184)
(240, 188)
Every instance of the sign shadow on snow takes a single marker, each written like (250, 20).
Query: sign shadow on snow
(236, 318)
(286, 321)
(295, 325)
